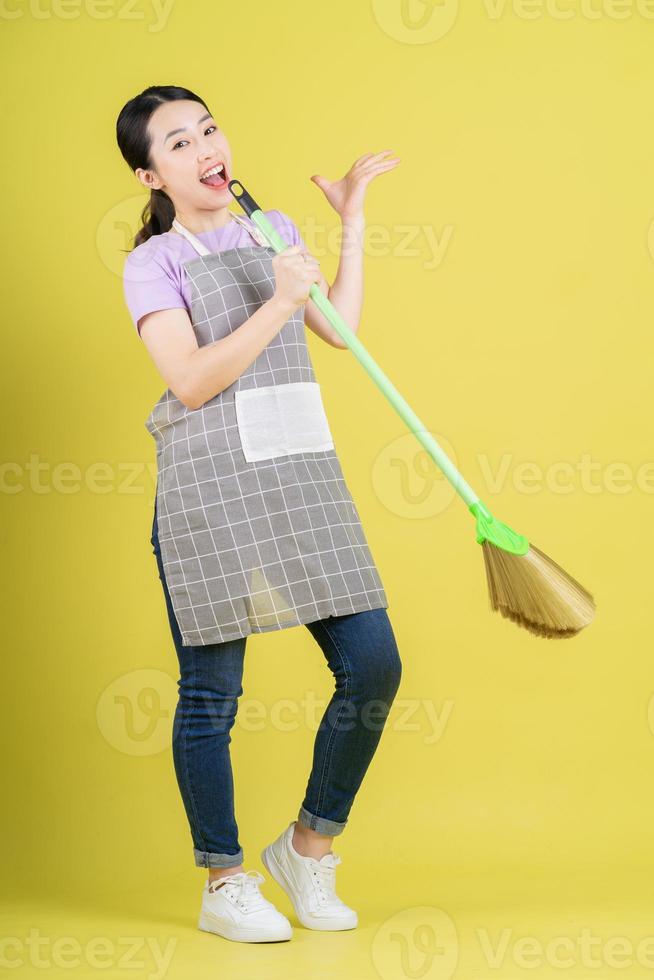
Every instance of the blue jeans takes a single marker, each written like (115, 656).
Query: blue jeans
(362, 654)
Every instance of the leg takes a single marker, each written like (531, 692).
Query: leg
(362, 654)
(209, 688)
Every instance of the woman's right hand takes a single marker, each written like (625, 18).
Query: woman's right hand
(295, 272)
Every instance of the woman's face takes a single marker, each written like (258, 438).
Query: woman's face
(185, 143)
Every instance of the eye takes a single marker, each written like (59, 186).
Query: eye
(186, 141)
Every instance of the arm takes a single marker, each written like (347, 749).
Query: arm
(346, 196)
(196, 374)
(346, 293)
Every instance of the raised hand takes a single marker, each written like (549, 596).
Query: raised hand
(346, 195)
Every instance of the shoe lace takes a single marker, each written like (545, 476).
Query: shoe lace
(324, 877)
(244, 887)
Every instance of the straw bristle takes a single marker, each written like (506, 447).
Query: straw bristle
(536, 593)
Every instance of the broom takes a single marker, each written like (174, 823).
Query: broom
(524, 584)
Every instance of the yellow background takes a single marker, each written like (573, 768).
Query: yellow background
(526, 139)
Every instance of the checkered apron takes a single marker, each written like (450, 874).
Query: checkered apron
(256, 525)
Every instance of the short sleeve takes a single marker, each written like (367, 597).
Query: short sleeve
(147, 284)
(287, 228)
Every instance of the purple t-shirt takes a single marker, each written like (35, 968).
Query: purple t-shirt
(153, 277)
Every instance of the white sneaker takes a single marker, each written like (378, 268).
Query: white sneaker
(309, 883)
(237, 910)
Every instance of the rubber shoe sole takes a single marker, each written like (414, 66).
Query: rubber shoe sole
(208, 922)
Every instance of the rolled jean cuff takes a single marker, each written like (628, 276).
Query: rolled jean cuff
(205, 859)
(320, 824)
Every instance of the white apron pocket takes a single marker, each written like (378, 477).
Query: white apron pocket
(278, 420)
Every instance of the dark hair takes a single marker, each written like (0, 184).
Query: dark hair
(135, 144)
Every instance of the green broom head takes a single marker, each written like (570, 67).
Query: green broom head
(526, 586)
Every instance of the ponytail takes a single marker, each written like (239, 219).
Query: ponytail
(157, 217)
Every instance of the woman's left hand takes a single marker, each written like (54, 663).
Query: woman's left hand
(346, 195)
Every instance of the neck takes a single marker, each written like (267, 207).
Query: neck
(200, 221)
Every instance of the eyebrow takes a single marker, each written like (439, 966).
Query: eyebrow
(183, 130)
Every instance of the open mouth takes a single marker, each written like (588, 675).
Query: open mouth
(216, 177)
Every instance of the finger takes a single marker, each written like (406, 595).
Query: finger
(390, 162)
(368, 157)
(371, 157)
(379, 169)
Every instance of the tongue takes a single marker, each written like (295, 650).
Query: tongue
(214, 180)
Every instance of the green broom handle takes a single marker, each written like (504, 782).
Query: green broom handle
(439, 456)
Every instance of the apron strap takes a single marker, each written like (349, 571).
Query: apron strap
(251, 227)
(202, 249)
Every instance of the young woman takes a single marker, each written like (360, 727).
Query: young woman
(254, 527)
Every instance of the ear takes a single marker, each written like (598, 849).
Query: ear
(148, 178)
